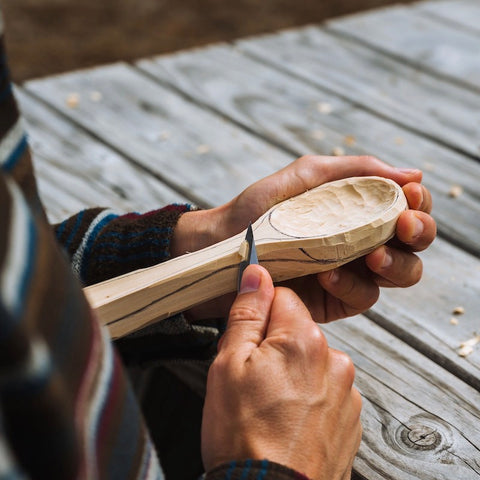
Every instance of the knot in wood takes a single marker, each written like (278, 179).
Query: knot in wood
(421, 437)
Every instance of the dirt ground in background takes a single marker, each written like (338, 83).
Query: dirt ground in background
(50, 36)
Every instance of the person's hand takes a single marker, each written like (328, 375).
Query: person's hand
(347, 290)
(277, 391)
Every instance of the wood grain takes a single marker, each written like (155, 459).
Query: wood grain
(458, 13)
(419, 39)
(76, 171)
(401, 93)
(190, 149)
(318, 230)
(419, 421)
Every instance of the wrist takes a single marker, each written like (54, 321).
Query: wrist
(196, 230)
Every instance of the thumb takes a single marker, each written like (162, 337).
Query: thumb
(250, 312)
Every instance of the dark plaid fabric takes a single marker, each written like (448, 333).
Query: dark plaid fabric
(67, 410)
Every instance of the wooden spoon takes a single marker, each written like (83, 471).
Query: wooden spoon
(316, 231)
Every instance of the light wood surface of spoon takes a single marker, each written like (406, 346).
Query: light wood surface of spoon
(316, 231)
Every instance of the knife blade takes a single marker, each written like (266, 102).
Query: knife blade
(250, 256)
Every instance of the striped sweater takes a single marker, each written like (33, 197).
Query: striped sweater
(67, 410)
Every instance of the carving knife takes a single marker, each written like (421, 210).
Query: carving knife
(249, 254)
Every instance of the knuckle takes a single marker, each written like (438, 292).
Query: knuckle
(357, 402)
(315, 344)
(345, 366)
(368, 160)
(240, 313)
(219, 365)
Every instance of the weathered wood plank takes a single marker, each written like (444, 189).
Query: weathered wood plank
(75, 171)
(465, 13)
(415, 37)
(398, 92)
(422, 314)
(420, 422)
(194, 151)
(289, 112)
(257, 97)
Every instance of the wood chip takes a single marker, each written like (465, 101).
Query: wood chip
(95, 96)
(466, 348)
(471, 342)
(318, 134)
(338, 151)
(202, 149)
(349, 140)
(73, 99)
(165, 135)
(324, 107)
(429, 167)
(458, 310)
(453, 321)
(465, 351)
(455, 191)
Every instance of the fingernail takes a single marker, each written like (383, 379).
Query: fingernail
(334, 276)
(387, 259)
(250, 280)
(408, 170)
(417, 228)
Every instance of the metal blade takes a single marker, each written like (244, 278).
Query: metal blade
(251, 256)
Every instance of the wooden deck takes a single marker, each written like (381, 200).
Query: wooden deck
(401, 83)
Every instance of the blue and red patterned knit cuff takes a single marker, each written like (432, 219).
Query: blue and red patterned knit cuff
(102, 244)
(253, 470)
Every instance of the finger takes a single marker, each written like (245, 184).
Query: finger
(418, 197)
(312, 170)
(250, 311)
(350, 292)
(394, 268)
(416, 229)
(326, 169)
(291, 326)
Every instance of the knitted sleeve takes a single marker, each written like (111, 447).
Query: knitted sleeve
(253, 470)
(102, 244)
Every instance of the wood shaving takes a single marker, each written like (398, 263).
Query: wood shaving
(318, 135)
(164, 135)
(338, 151)
(455, 191)
(349, 140)
(429, 167)
(458, 310)
(95, 96)
(202, 149)
(324, 107)
(73, 99)
(471, 342)
(243, 250)
(466, 348)
(465, 351)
